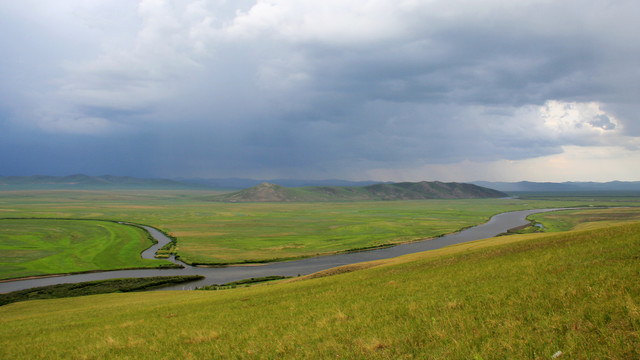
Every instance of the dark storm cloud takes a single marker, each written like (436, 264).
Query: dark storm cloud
(318, 89)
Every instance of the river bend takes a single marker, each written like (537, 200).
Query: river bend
(220, 275)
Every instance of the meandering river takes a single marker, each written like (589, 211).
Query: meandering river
(220, 275)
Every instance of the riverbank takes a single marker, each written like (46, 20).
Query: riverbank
(94, 288)
(221, 275)
(37, 246)
(230, 233)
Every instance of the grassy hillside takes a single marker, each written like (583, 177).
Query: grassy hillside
(397, 191)
(573, 295)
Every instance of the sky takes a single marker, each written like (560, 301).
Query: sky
(388, 90)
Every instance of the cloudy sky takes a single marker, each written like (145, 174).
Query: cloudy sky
(393, 90)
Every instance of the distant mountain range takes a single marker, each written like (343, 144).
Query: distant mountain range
(528, 186)
(80, 181)
(240, 183)
(268, 192)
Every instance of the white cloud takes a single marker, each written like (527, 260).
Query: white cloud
(578, 119)
(329, 21)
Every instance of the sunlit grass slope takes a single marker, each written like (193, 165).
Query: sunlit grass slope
(575, 294)
(44, 246)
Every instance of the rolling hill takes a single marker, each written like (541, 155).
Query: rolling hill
(267, 192)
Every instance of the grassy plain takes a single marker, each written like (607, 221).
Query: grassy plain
(222, 233)
(573, 294)
(48, 246)
(585, 218)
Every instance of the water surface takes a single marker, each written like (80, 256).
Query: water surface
(220, 275)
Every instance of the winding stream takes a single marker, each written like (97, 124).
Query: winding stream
(220, 275)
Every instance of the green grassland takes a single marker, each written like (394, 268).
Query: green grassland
(574, 294)
(223, 233)
(585, 218)
(32, 247)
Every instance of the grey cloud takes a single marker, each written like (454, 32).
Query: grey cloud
(603, 122)
(292, 99)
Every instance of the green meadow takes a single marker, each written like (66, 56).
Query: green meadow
(221, 233)
(585, 218)
(36, 247)
(571, 294)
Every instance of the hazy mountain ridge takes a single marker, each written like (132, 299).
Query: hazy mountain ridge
(268, 192)
(243, 183)
(569, 186)
(330, 187)
(81, 181)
